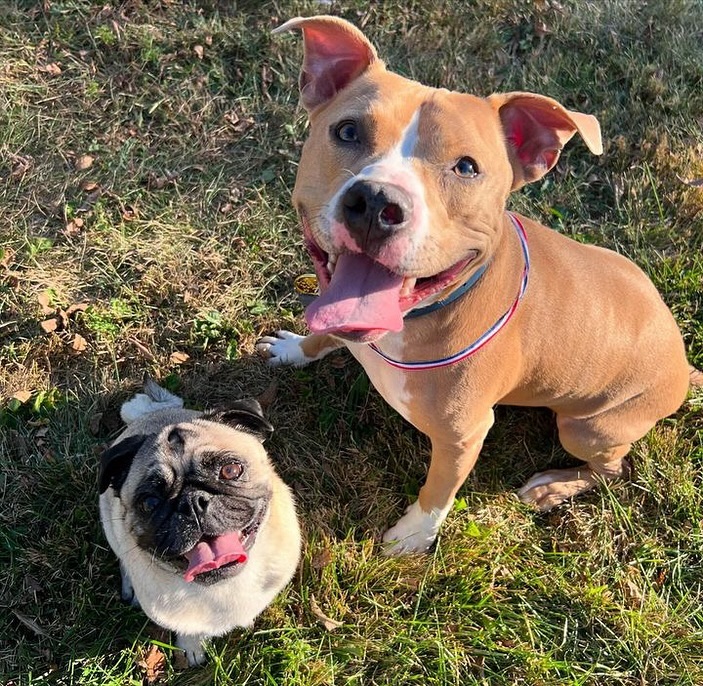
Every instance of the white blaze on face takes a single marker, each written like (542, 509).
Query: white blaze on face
(396, 167)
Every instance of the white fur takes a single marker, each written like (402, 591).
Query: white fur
(284, 349)
(151, 401)
(415, 531)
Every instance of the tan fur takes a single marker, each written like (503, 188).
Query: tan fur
(592, 339)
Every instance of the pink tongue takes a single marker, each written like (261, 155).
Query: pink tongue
(213, 553)
(362, 296)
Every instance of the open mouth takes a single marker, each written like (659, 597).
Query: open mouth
(362, 299)
(215, 557)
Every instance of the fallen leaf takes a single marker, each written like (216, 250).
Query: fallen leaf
(322, 559)
(694, 183)
(88, 186)
(79, 343)
(6, 257)
(29, 623)
(20, 165)
(153, 664)
(129, 213)
(73, 227)
(329, 623)
(199, 51)
(84, 162)
(143, 349)
(269, 395)
(94, 423)
(44, 300)
(52, 69)
(49, 325)
(22, 396)
(76, 307)
(179, 357)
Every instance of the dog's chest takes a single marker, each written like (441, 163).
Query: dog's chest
(390, 382)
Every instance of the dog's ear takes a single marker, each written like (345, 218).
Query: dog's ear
(536, 129)
(336, 52)
(245, 415)
(116, 461)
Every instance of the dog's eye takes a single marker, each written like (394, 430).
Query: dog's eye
(231, 471)
(149, 503)
(466, 168)
(346, 131)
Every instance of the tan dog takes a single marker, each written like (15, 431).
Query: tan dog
(451, 304)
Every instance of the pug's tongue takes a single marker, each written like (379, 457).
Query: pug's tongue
(214, 552)
(362, 296)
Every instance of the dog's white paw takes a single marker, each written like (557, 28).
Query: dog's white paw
(284, 349)
(193, 647)
(414, 532)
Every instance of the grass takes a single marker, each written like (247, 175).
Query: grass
(170, 132)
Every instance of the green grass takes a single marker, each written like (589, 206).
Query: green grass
(188, 244)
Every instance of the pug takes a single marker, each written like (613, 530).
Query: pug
(205, 530)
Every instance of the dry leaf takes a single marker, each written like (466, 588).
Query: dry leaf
(44, 300)
(79, 343)
(129, 213)
(73, 227)
(76, 307)
(22, 396)
(6, 257)
(179, 357)
(88, 186)
(329, 623)
(198, 50)
(153, 664)
(20, 165)
(143, 350)
(29, 623)
(322, 559)
(49, 325)
(694, 183)
(269, 395)
(52, 69)
(84, 162)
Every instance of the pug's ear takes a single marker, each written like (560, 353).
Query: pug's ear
(116, 461)
(245, 415)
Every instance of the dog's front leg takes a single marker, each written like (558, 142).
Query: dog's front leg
(288, 348)
(450, 465)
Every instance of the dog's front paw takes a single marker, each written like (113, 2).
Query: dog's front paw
(283, 349)
(193, 647)
(414, 532)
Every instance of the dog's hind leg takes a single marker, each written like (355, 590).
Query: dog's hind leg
(287, 348)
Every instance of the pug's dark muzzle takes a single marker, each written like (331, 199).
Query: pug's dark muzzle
(205, 536)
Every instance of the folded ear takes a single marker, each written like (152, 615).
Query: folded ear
(116, 461)
(245, 415)
(336, 52)
(536, 129)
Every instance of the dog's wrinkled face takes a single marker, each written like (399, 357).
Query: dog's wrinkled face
(401, 187)
(194, 495)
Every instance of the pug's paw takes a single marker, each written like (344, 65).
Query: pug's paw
(193, 647)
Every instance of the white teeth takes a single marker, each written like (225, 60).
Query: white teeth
(332, 263)
(408, 286)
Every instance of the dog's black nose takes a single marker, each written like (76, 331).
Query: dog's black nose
(373, 211)
(195, 503)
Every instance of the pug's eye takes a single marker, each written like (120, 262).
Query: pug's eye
(347, 132)
(149, 503)
(466, 168)
(231, 471)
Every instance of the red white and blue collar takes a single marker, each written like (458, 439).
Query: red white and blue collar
(487, 335)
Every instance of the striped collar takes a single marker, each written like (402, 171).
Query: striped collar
(487, 335)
